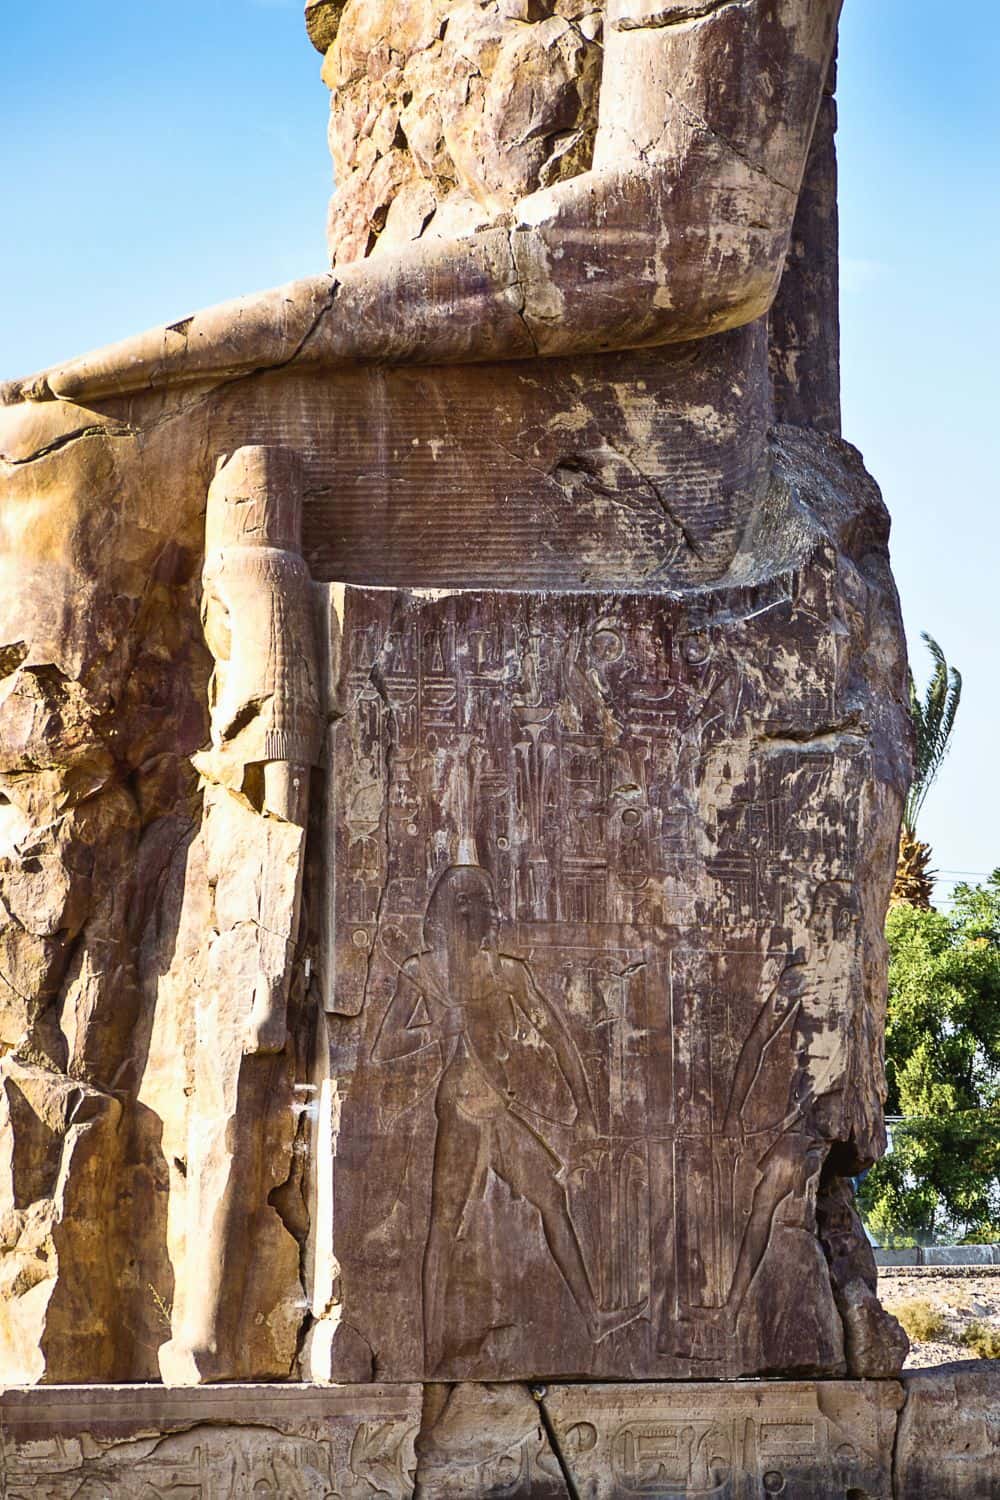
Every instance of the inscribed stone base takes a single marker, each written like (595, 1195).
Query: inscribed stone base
(812, 1440)
(227, 1442)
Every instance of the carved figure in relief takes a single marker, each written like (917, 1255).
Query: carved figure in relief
(265, 724)
(781, 1167)
(264, 695)
(782, 1170)
(510, 1071)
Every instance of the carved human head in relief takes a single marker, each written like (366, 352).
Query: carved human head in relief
(463, 908)
(834, 912)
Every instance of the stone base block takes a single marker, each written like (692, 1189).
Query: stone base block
(226, 1442)
(804, 1440)
(933, 1436)
(948, 1444)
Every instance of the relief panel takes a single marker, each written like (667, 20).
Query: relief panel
(591, 861)
(741, 1442)
(223, 1443)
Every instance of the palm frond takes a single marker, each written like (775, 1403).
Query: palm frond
(933, 721)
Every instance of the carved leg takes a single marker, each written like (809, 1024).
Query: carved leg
(457, 1151)
(530, 1170)
(226, 1187)
(781, 1173)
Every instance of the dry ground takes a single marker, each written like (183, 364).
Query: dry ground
(959, 1294)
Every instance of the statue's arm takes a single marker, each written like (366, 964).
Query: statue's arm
(679, 229)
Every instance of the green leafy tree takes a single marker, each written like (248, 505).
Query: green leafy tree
(933, 718)
(941, 1180)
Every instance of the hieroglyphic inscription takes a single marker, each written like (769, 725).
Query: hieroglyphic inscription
(726, 1443)
(226, 1443)
(579, 849)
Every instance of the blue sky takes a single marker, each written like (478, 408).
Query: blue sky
(162, 156)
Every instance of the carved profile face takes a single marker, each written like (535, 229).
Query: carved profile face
(463, 906)
(833, 914)
(215, 619)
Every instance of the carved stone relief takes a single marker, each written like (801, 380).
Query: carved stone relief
(727, 1443)
(235, 1443)
(601, 960)
(245, 880)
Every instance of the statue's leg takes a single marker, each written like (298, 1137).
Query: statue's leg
(286, 799)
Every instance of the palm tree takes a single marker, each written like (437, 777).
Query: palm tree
(933, 721)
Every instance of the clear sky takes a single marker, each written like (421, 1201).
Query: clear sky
(161, 156)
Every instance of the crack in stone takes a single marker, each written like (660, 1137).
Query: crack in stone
(699, 123)
(183, 377)
(679, 15)
(538, 1392)
(79, 434)
(517, 285)
(313, 328)
(690, 541)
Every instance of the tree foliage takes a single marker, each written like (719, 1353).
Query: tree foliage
(933, 719)
(941, 1180)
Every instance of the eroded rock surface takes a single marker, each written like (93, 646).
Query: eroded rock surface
(449, 795)
(444, 116)
(948, 1444)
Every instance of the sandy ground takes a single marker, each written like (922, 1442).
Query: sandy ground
(960, 1293)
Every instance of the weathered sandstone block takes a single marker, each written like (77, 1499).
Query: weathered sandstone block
(803, 1440)
(948, 1444)
(452, 740)
(814, 1440)
(269, 1443)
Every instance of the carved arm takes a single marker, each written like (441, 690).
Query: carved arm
(553, 1029)
(399, 1035)
(679, 229)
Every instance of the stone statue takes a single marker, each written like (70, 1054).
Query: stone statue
(257, 615)
(665, 216)
(536, 595)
